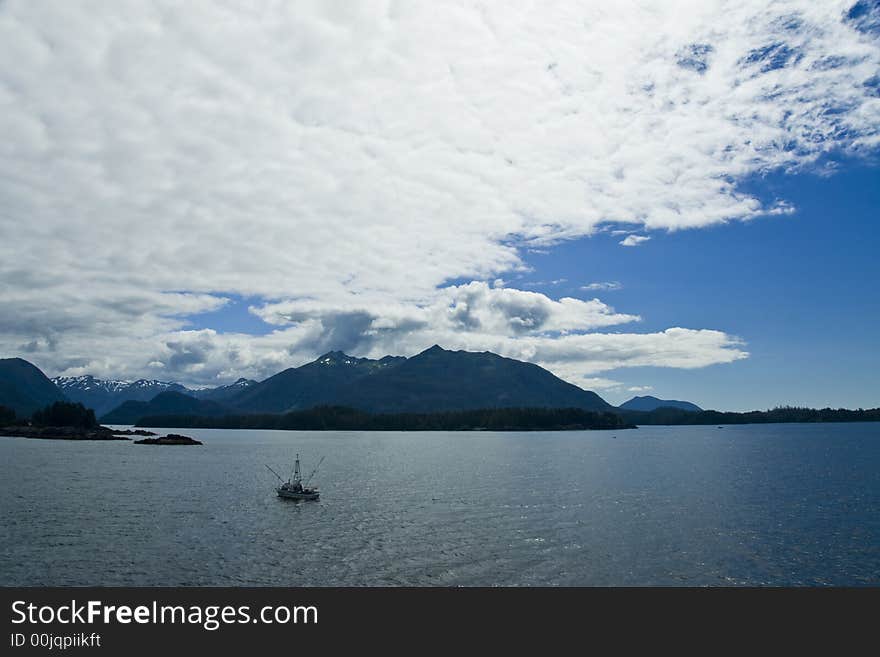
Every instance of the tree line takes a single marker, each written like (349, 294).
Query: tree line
(504, 419)
(58, 414)
(342, 418)
(673, 416)
(67, 414)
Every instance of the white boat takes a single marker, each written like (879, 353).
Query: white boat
(293, 488)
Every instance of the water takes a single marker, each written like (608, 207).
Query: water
(749, 505)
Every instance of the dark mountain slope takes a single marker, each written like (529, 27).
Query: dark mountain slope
(440, 380)
(24, 388)
(165, 403)
(313, 384)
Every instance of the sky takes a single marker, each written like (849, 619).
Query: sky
(674, 198)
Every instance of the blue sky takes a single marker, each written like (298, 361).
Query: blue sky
(232, 191)
(800, 289)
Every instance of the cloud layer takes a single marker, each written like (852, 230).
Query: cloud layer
(345, 161)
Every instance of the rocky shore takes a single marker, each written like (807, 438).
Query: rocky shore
(94, 433)
(65, 433)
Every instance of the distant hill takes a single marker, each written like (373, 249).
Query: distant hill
(24, 388)
(432, 381)
(649, 403)
(104, 395)
(165, 403)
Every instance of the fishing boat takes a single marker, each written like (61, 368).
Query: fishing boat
(294, 488)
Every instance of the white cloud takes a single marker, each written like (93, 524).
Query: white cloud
(597, 383)
(336, 158)
(634, 240)
(640, 388)
(607, 285)
(471, 307)
(553, 283)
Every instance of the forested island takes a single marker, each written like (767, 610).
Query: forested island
(58, 421)
(68, 421)
(342, 418)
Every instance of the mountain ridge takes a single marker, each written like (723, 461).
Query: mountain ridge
(104, 395)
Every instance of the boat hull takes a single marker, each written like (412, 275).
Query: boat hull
(290, 495)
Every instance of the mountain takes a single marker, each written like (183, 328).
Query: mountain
(24, 388)
(223, 393)
(323, 381)
(441, 380)
(104, 395)
(649, 403)
(434, 380)
(165, 403)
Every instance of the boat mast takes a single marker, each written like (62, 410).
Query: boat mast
(297, 475)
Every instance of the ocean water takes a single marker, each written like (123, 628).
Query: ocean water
(787, 504)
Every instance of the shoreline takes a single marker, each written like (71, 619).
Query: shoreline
(99, 433)
(105, 434)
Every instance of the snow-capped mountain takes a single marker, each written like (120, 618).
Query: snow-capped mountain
(103, 395)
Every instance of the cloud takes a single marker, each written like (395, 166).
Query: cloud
(608, 285)
(575, 356)
(553, 283)
(598, 383)
(640, 388)
(346, 162)
(472, 307)
(634, 240)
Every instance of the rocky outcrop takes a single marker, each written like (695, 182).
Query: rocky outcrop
(170, 439)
